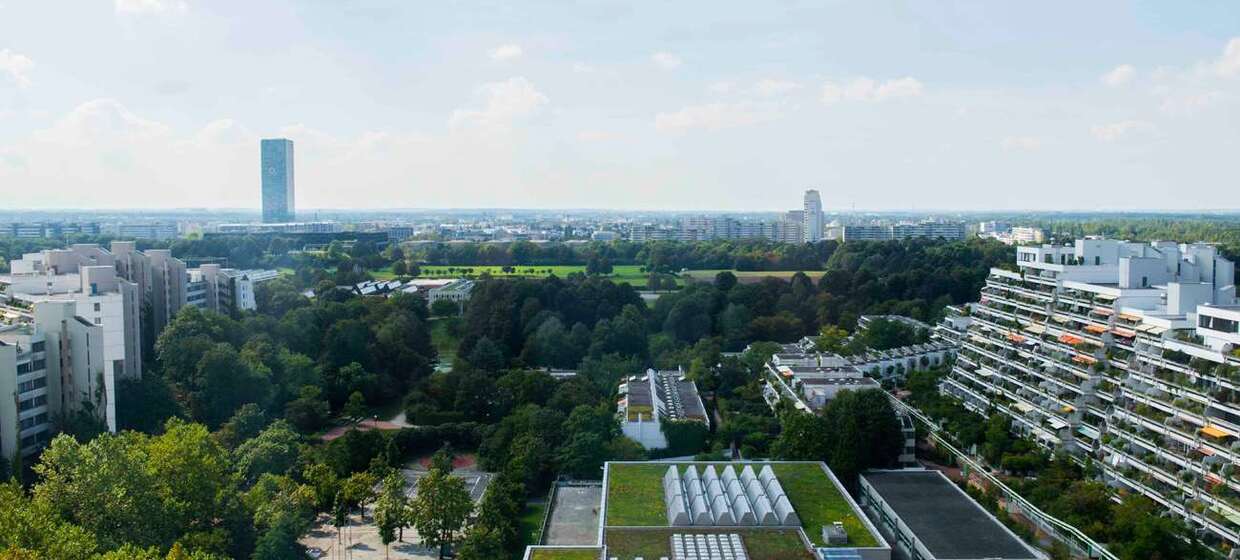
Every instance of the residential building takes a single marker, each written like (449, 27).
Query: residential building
(811, 387)
(811, 224)
(1124, 353)
(1018, 235)
(51, 366)
(278, 187)
(87, 275)
(925, 516)
(157, 230)
(285, 227)
(649, 400)
(225, 290)
(951, 231)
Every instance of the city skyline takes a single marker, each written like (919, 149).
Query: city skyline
(880, 107)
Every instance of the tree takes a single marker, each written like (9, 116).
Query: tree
(725, 280)
(280, 541)
(273, 451)
(222, 383)
(390, 508)
(309, 411)
(145, 404)
(486, 356)
(445, 308)
(356, 410)
(246, 423)
(482, 543)
(440, 509)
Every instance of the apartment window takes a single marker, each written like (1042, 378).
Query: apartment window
(1218, 324)
(24, 368)
(38, 365)
(1145, 281)
(96, 308)
(32, 403)
(1097, 260)
(98, 321)
(33, 421)
(38, 346)
(31, 385)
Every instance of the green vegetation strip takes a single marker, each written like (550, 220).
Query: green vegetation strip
(565, 554)
(818, 502)
(622, 273)
(762, 544)
(635, 495)
(531, 521)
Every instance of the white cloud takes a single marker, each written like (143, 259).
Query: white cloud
(1229, 64)
(1021, 143)
(582, 68)
(867, 89)
(503, 103)
(16, 66)
(1189, 103)
(1120, 75)
(721, 88)
(101, 121)
(594, 136)
(506, 52)
(1115, 131)
(666, 60)
(771, 88)
(149, 6)
(712, 116)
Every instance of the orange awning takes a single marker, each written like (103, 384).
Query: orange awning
(1083, 359)
(1096, 329)
(1206, 451)
(1214, 432)
(1069, 339)
(1016, 338)
(1124, 332)
(1102, 311)
(1129, 317)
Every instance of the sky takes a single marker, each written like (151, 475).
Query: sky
(720, 105)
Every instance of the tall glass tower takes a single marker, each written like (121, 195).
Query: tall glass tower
(277, 173)
(811, 229)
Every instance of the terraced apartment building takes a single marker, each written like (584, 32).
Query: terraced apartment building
(1123, 352)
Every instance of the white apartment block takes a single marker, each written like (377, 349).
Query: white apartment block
(50, 366)
(1122, 352)
(87, 275)
(811, 217)
(951, 231)
(225, 290)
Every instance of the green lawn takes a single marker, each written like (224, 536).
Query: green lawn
(762, 544)
(818, 502)
(635, 495)
(442, 338)
(531, 522)
(624, 273)
(565, 554)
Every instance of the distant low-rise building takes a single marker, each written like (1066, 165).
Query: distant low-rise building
(156, 230)
(649, 400)
(951, 231)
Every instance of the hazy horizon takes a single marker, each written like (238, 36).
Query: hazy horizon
(957, 107)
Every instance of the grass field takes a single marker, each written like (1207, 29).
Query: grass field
(635, 495)
(565, 554)
(818, 502)
(626, 273)
(531, 522)
(762, 544)
(442, 338)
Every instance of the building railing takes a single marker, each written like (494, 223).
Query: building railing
(1078, 541)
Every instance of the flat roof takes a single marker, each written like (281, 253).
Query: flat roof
(946, 521)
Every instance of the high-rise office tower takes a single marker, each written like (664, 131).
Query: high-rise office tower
(811, 225)
(277, 172)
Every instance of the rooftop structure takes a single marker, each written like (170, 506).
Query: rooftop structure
(803, 497)
(1123, 352)
(658, 396)
(927, 517)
